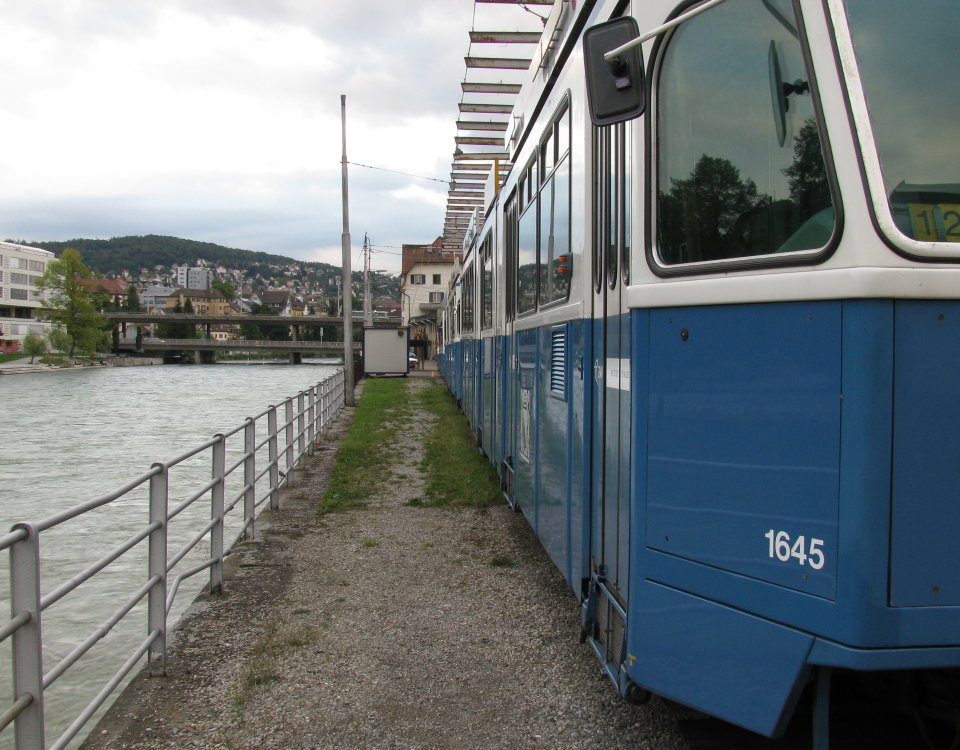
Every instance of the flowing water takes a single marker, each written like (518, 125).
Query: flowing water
(70, 436)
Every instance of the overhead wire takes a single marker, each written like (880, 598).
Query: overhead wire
(397, 171)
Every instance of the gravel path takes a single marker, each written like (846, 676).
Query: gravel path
(390, 626)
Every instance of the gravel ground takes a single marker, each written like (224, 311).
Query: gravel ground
(390, 626)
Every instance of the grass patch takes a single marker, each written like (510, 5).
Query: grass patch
(261, 667)
(454, 471)
(368, 445)
(370, 542)
(502, 561)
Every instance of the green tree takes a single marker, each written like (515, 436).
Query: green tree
(34, 345)
(67, 302)
(228, 290)
(807, 176)
(132, 302)
(60, 340)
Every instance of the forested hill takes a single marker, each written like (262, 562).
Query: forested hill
(120, 254)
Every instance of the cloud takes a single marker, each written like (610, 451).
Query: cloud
(220, 120)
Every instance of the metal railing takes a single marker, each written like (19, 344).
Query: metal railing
(305, 419)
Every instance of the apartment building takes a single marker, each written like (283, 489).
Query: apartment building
(424, 280)
(20, 269)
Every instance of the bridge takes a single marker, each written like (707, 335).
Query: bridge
(296, 321)
(207, 348)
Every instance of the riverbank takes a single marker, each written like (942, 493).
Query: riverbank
(386, 626)
(23, 366)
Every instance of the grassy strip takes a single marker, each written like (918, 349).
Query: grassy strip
(454, 470)
(359, 470)
(260, 667)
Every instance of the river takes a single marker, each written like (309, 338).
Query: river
(75, 435)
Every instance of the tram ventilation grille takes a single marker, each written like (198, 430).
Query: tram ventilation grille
(558, 362)
(611, 631)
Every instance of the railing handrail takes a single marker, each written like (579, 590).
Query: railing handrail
(302, 425)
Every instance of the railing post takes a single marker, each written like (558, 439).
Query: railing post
(27, 641)
(324, 416)
(216, 514)
(301, 428)
(288, 449)
(157, 568)
(312, 417)
(249, 475)
(273, 453)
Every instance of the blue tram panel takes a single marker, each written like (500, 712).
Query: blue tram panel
(744, 440)
(925, 571)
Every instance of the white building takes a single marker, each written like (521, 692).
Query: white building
(194, 278)
(424, 280)
(20, 269)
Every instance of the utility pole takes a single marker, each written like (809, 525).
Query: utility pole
(367, 302)
(347, 269)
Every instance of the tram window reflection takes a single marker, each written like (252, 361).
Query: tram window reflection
(727, 188)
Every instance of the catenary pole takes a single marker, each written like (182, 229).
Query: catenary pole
(347, 270)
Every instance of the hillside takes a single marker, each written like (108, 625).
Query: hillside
(119, 254)
(127, 256)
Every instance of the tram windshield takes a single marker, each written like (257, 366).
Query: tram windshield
(909, 69)
(741, 168)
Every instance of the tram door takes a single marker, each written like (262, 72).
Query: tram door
(610, 478)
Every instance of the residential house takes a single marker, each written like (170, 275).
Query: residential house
(203, 301)
(154, 298)
(280, 302)
(21, 267)
(107, 290)
(424, 279)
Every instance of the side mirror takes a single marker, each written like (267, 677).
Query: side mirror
(616, 89)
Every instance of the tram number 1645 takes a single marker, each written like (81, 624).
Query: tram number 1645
(785, 549)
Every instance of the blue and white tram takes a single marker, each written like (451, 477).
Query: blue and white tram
(714, 348)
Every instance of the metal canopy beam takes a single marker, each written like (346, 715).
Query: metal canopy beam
(518, 2)
(490, 88)
(489, 156)
(494, 109)
(470, 140)
(499, 63)
(505, 37)
(473, 167)
(500, 126)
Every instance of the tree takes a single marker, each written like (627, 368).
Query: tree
(699, 212)
(807, 176)
(34, 345)
(228, 290)
(132, 302)
(60, 340)
(67, 302)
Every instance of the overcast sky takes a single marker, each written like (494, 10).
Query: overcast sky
(219, 120)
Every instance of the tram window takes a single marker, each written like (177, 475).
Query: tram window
(555, 235)
(527, 261)
(467, 299)
(914, 109)
(728, 185)
(614, 138)
(626, 186)
(548, 154)
(563, 134)
(486, 284)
